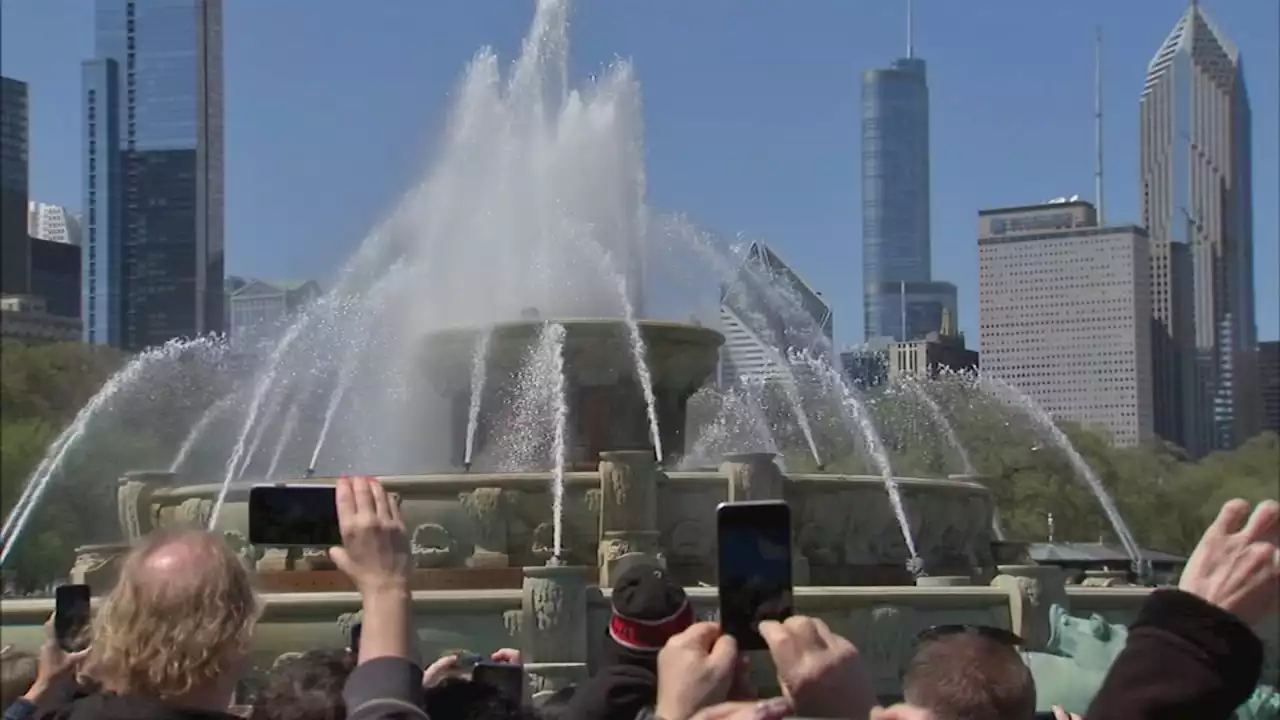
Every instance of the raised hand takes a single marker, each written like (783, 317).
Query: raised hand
(1236, 564)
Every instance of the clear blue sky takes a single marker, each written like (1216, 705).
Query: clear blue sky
(751, 110)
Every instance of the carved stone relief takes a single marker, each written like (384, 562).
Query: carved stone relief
(432, 546)
(486, 507)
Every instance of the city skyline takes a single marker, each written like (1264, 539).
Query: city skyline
(817, 255)
(153, 262)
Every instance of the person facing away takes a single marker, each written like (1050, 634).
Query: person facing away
(970, 676)
(308, 687)
(172, 638)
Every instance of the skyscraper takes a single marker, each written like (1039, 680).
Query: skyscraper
(54, 223)
(1065, 308)
(766, 313)
(1197, 188)
(153, 169)
(895, 199)
(15, 260)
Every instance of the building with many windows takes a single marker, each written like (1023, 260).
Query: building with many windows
(1066, 314)
(1197, 204)
(54, 223)
(15, 252)
(153, 172)
(767, 313)
(1269, 384)
(896, 251)
(259, 309)
(55, 276)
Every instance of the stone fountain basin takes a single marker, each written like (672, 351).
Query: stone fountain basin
(844, 525)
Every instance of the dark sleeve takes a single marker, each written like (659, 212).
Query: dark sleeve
(386, 688)
(1185, 659)
(21, 709)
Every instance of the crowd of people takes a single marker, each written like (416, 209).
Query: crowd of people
(172, 641)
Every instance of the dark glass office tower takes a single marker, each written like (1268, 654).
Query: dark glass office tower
(153, 250)
(15, 261)
(895, 194)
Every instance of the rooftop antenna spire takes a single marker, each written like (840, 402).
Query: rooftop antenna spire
(911, 46)
(1099, 197)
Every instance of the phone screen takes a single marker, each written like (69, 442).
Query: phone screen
(71, 617)
(507, 679)
(293, 515)
(754, 541)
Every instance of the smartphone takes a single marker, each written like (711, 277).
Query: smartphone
(354, 641)
(754, 564)
(71, 617)
(293, 516)
(507, 679)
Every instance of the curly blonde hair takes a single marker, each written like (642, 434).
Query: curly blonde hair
(180, 615)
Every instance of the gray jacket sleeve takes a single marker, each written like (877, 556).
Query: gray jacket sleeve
(386, 688)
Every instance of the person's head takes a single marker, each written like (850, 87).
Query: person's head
(970, 676)
(307, 687)
(463, 699)
(17, 674)
(648, 608)
(178, 624)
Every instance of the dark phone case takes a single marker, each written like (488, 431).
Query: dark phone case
(748, 639)
(71, 618)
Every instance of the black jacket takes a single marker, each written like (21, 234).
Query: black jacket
(1184, 660)
(106, 706)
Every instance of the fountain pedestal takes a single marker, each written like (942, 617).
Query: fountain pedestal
(98, 566)
(134, 492)
(553, 625)
(1033, 590)
(628, 512)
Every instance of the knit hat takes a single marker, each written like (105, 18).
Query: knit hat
(649, 607)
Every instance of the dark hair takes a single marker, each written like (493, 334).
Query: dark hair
(461, 699)
(308, 687)
(970, 676)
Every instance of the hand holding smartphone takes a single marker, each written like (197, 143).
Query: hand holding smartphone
(294, 516)
(754, 564)
(71, 616)
(506, 678)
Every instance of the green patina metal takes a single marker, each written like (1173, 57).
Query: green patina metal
(1079, 653)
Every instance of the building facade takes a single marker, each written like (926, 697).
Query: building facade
(55, 276)
(54, 223)
(25, 318)
(895, 193)
(1066, 314)
(1269, 384)
(15, 252)
(1196, 194)
(909, 311)
(153, 172)
(259, 309)
(768, 313)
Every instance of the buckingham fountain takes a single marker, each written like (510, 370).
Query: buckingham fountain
(504, 353)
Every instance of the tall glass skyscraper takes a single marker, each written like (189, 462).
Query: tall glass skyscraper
(153, 169)
(895, 202)
(15, 258)
(1197, 192)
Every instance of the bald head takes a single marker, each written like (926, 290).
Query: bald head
(179, 617)
(970, 677)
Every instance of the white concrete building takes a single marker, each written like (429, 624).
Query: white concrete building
(1066, 314)
(54, 223)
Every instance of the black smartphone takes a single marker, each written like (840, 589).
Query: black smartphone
(506, 678)
(754, 564)
(294, 516)
(353, 641)
(71, 617)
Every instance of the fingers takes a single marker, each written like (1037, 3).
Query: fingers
(1231, 518)
(700, 635)
(380, 501)
(724, 653)
(782, 645)
(1263, 523)
(340, 559)
(362, 495)
(506, 655)
(346, 500)
(77, 657)
(49, 632)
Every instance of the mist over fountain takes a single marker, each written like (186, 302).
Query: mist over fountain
(520, 316)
